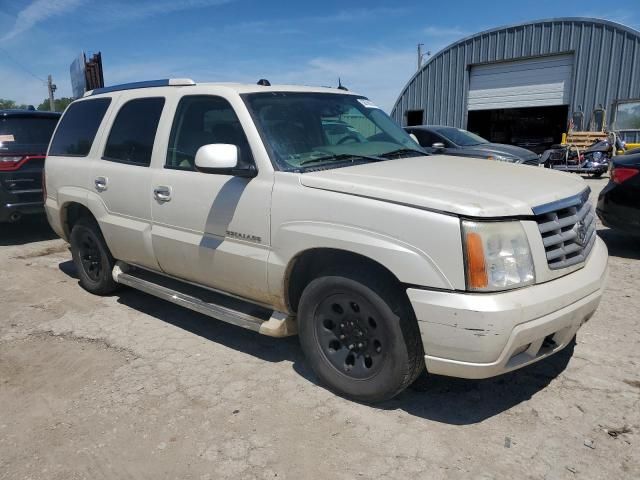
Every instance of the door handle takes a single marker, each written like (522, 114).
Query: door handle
(162, 193)
(101, 183)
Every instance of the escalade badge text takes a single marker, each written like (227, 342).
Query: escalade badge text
(244, 236)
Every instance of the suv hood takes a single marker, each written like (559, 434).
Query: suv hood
(462, 186)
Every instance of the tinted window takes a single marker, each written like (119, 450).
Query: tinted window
(26, 134)
(78, 127)
(426, 139)
(202, 120)
(134, 131)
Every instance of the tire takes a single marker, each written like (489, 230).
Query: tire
(360, 336)
(92, 258)
(597, 175)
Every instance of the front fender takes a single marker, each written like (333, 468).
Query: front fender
(408, 263)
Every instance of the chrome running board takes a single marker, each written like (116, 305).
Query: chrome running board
(218, 306)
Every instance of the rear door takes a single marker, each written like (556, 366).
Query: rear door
(121, 179)
(209, 228)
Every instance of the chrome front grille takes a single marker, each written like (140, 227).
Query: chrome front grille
(568, 229)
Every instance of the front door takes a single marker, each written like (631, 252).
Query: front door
(209, 228)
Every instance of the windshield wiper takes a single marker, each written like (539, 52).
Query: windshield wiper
(400, 151)
(341, 156)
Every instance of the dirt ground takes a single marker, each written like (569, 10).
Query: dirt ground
(129, 386)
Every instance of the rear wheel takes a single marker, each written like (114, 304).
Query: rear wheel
(360, 338)
(92, 258)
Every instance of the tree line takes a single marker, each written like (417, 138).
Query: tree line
(59, 104)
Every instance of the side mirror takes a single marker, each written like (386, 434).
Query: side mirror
(438, 146)
(221, 158)
(217, 156)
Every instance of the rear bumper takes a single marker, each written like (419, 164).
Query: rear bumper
(483, 335)
(619, 217)
(11, 212)
(20, 194)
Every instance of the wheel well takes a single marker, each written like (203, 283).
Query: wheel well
(72, 213)
(316, 262)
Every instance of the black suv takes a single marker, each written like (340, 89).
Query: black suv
(24, 137)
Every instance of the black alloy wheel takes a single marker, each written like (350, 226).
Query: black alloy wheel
(92, 258)
(351, 338)
(359, 335)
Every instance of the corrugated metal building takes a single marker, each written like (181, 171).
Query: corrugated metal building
(522, 84)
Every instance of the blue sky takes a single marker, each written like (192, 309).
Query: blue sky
(370, 45)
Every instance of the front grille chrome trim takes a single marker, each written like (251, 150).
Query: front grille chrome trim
(578, 199)
(568, 230)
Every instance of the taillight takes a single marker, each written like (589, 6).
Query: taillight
(11, 162)
(622, 174)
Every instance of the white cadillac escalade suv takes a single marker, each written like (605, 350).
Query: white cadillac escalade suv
(308, 210)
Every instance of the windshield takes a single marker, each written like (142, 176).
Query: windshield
(326, 130)
(461, 137)
(26, 134)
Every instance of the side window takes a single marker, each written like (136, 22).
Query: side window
(78, 128)
(201, 120)
(134, 131)
(425, 138)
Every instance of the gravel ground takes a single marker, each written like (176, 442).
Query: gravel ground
(128, 386)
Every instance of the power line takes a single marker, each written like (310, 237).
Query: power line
(22, 66)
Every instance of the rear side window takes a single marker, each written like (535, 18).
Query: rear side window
(78, 128)
(134, 131)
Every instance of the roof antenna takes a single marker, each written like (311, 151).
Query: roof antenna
(340, 86)
(264, 82)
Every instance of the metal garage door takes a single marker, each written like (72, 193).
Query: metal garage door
(534, 82)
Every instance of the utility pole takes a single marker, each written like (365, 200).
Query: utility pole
(52, 88)
(422, 55)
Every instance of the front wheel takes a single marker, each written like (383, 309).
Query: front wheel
(360, 339)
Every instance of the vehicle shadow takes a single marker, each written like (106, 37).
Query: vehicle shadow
(457, 401)
(620, 244)
(231, 336)
(442, 399)
(27, 230)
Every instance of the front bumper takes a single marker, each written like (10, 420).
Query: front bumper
(483, 335)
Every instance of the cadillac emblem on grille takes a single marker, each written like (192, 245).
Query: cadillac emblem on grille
(581, 232)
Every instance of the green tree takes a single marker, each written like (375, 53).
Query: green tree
(59, 104)
(5, 103)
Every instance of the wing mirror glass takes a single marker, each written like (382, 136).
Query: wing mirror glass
(438, 146)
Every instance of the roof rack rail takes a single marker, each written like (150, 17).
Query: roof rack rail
(147, 84)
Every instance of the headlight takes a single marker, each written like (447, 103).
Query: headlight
(501, 158)
(497, 256)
